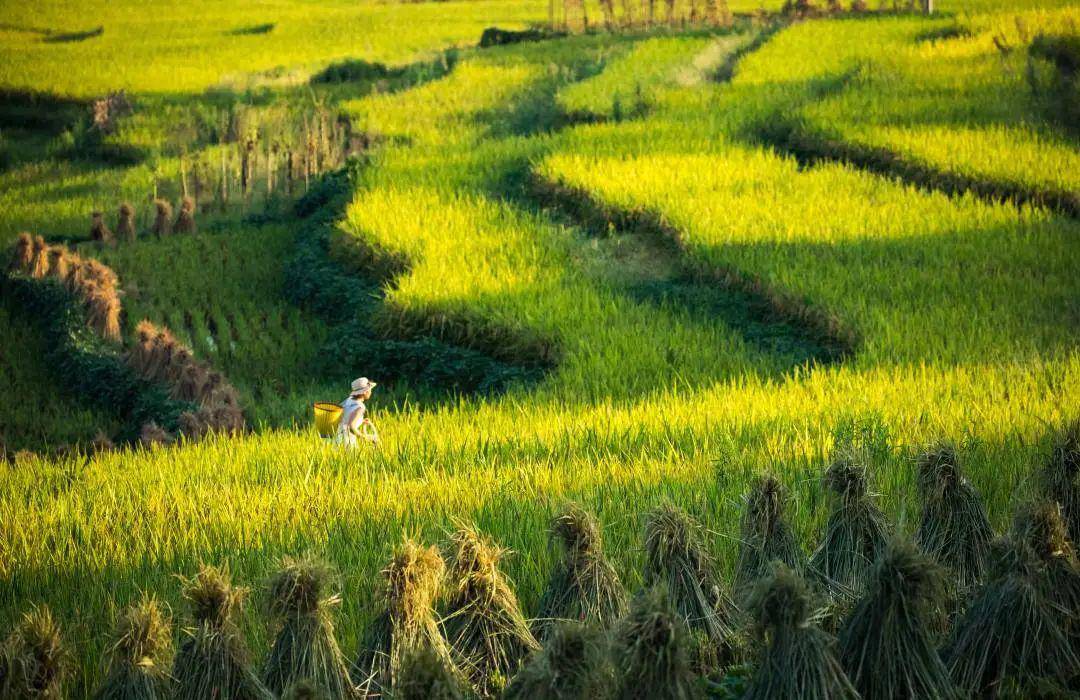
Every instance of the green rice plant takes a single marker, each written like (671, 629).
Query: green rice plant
(140, 655)
(676, 557)
(650, 649)
(485, 627)
(1061, 476)
(584, 587)
(765, 536)
(301, 598)
(953, 527)
(572, 664)
(212, 661)
(887, 645)
(797, 658)
(413, 579)
(855, 534)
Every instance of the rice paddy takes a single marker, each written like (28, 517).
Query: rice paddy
(720, 393)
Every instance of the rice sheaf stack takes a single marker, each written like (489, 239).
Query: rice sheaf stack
(573, 665)
(765, 535)
(424, 674)
(650, 651)
(213, 661)
(1017, 628)
(584, 586)
(676, 556)
(953, 527)
(1061, 477)
(139, 655)
(887, 646)
(301, 598)
(484, 624)
(37, 663)
(798, 659)
(855, 535)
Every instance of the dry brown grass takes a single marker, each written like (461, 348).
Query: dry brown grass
(162, 218)
(185, 220)
(22, 255)
(99, 231)
(125, 223)
(39, 260)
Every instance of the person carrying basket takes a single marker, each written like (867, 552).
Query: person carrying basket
(353, 424)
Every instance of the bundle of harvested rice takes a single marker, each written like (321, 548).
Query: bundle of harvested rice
(855, 534)
(301, 598)
(58, 262)
(152, 434)
(213, 661)
(22, 255)
(887, 646)
(1061, 476)
(75, 270)
(142, 643)
(1042, 528)
(412, 582)
(185, 220)
(798, 659)
(649, 649)
(99, 232)
(764, 535)
(39, 258)
(676, 556)
(953, 527)
(585, 586)
(37, 664)
(487, 632)
(1012, 630)
(162, 218)
(125, 223)
(103, 310)
(573, 665)
(426, 674)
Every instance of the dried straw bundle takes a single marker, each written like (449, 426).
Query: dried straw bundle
(37, 663)
(798, 659)
(22, 255)
(676, 556)
(573, 665)
(153, 434)
(73, 280)
(1015, 628)
(58, 262)
(305, 647)
(125, 223)
(887, 646)
(427, 675)
(765, 536)
(585, 586)
(39, 258)
(162, 218)
(103, 310)
(185, 220)
(412, 582)
(140, 653)
(99, 232)
(1042, 528)
(1061, 477)
(953, 528)
(213, 660)
(484, 624)
(650, 651)
(855, 534)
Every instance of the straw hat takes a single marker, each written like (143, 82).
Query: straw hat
(359, 386)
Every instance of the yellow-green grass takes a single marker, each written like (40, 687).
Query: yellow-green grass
(966, 312)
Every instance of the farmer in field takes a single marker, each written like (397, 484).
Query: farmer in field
(354, 415)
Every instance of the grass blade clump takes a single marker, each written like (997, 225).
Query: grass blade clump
(162, 218)
(765, 535)
(213, 661)
(650, 651)
(412, 582)
(426, 674)
(484, 624)
(676, 555)
(1017, 627)
(125, 223)
(887, 646)
(37, 664)
(1061, 477)
(572, 664)
(138, 668)
(953, 527)
(798, 659)
(585, 586)
(185, 220)
(855, 534)
(300, 597)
